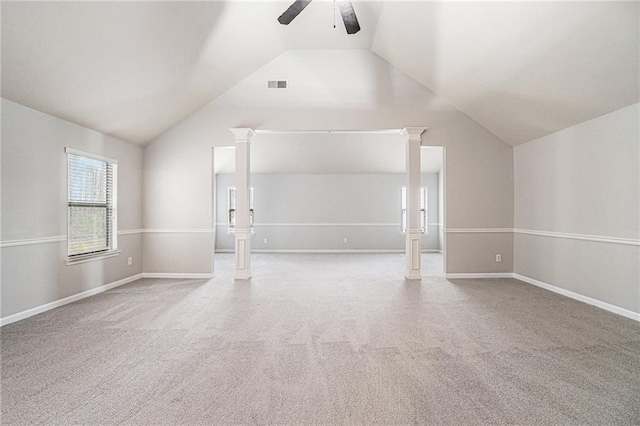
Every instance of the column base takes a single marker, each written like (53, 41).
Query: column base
(243, 254)
(242, 275)
(414, 260)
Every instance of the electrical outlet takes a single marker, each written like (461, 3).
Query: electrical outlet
(130, 261)
(498, 258)
(265, 241)
(346, 240)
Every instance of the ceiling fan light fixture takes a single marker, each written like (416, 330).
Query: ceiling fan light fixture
(349, 17)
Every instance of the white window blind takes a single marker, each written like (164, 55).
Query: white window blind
(231, 202)
(423, 209)
(91, 205)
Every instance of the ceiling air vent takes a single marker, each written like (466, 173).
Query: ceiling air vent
(277, 84)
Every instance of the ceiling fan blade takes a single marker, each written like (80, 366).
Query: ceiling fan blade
(293, 11)
(349, 16)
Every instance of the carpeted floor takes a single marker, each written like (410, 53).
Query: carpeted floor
(322, 339)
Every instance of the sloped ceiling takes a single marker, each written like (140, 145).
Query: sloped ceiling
(135, 69)
(521, 69)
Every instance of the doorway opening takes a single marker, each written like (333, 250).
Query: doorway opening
(331, 193)
(432, 181)
(223, 182)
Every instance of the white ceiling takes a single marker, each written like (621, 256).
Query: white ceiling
(135, 69)
(521, 69)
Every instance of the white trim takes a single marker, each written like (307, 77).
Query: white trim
(314, 251)
(242, 275)
(61, 302)
(595, 238)
(330, 224)
(63, 238)
(581, 237)
(56, 239)
(585, 299)
(73, 151)
(178, 275)
(299, 224)
(178, 231)
(478, 275)
(602, 305)
(443, 218)
(478, 230)
(92, 257)
(130, 231)
(337, 132)
(325, 224)
(242, 134)
(30, 241)
(329, 251)
(414, 133)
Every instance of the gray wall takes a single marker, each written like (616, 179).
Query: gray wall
(178, 167)
(34, 184)
(582, 181)
(322, 199)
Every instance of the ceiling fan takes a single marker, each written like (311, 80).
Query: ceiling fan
(346, 10)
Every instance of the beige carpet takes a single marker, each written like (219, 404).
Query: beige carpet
(322, 339)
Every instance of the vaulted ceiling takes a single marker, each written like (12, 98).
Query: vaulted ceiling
(134, 69)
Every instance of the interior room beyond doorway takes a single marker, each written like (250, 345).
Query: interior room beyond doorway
(331, 192)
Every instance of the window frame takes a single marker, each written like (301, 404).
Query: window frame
(424, 194)
(231, 226)
(110, 206)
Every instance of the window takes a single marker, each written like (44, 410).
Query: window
(231, 202)
(423, 210)
(91, 204)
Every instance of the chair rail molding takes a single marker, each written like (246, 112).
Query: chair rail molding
(478, 230)
(551, 234)
(583, 237)
(31, 241)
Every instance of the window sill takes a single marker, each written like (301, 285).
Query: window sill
(92, 257)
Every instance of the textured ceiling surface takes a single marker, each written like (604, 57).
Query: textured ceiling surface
(135, 69)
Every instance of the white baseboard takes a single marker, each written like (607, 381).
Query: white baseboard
(56, 304)
(579, 297)
(177, 275)
(52, 305)
(479, 275)
(602, 305)
(242, 275)
(312, 251)
(328, 251)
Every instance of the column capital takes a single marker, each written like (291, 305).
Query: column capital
(242, 134)
(414, 133)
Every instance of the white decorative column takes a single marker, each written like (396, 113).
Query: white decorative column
(414, 233)
(243, 230)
